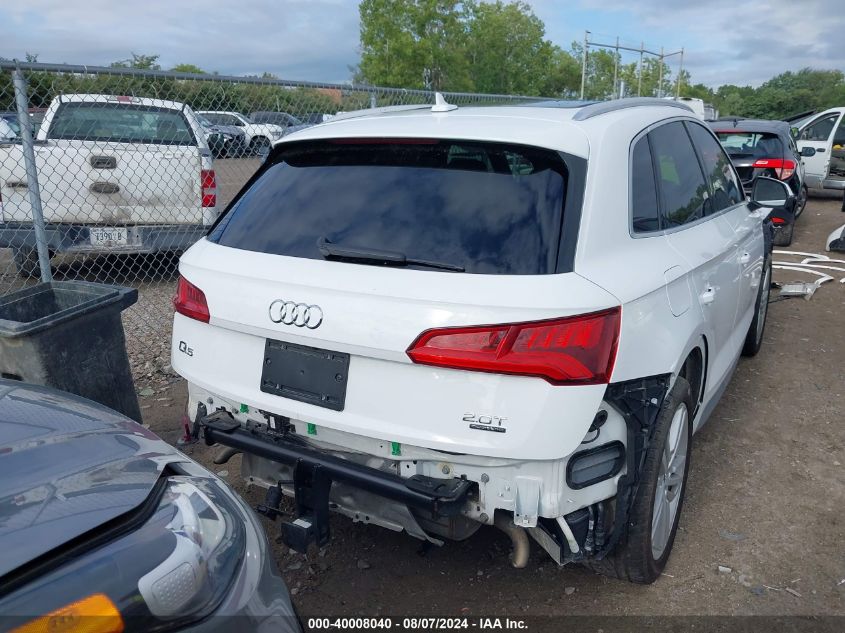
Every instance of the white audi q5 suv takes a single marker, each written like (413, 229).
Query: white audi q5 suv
(435, 318)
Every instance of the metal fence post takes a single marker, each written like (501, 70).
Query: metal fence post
(22, 101)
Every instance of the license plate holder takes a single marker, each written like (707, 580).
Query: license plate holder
(307, 374)
(109, 236)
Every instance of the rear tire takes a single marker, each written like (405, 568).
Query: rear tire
(783, 236)
(802, 201)
(642, 552)
(26, 263)
(754, 338)
(259, 145)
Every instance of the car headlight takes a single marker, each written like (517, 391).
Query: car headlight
(176, 567)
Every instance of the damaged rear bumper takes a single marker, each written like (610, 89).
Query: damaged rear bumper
(314, 472)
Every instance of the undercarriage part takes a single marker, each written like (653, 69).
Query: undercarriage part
(561, 537)
(639, 402)
(570, 537)
(519, 539)
(225, 454)
(272, 501)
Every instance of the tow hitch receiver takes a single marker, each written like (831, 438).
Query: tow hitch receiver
(311, 486)
(315, 471)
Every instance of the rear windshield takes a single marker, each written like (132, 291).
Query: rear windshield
(484, 207)
(120, 123)
(751, 144)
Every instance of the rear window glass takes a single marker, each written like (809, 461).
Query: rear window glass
(485, 207)
(751, 144)
(120, 123)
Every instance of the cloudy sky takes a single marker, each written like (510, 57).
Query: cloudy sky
(725, 41)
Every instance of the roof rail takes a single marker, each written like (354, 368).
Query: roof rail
(354, 114)
(603, 107)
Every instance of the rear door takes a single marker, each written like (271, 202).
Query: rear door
(728, 200)
(704, 239)
(819, 134)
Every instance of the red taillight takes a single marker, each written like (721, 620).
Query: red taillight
(190, 301)
(574, 350)
(778, 221)
(208, 183)
(784, 168)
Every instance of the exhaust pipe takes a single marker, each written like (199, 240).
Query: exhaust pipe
(519, 539)
(225, 454)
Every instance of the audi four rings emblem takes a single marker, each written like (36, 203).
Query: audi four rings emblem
(298, 314)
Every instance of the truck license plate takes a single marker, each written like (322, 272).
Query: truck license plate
(109, 236)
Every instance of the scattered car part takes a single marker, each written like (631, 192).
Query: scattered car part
(518, 537)
(836, 240)
(805, 290)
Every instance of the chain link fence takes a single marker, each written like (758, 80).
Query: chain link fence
(117, 171)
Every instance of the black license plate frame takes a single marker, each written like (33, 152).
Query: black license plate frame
(307, 374)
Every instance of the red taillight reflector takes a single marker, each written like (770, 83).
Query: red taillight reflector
(576, 350)
(784, 168)
(777, 220)
(208, 184)
(190, 301)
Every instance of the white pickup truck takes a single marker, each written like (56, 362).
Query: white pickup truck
(116, 174)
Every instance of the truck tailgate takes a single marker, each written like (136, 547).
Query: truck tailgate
(106, 183)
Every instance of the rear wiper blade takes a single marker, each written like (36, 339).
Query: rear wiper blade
(378, 256)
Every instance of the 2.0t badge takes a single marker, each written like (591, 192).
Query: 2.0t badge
(298, 314)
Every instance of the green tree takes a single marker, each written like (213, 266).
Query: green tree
(188, 68)
(414, 44)
(142, 62)
(507, 50)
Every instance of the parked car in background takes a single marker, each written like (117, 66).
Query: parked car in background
(9, 129)
(224, 141)
(766, 148)
(117, 174)
(704, 111)
(36, 115)
(289, 122)
(315, 118)
(258, 136)
(99, 517)
(821, 140)
(485, 333)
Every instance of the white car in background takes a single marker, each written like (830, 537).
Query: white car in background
(518, 319)
(821, 140)
(117, 174)
(259, 136)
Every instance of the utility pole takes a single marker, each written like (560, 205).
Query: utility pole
(640, 73)
(660, 76)
(616, 67)
(680, 72)
(584, 63)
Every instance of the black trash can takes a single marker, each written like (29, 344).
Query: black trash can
(68, 335)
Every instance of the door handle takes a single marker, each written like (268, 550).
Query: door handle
(820, 150)
(708, 296)
(744, 258)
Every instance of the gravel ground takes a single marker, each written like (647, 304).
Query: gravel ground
(765, 501)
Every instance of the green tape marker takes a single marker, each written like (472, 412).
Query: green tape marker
(395, 448)
(312, 429)
(244, 408)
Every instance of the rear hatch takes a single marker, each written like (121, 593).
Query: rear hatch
(328, 284)
(756, 154)
(112, 163)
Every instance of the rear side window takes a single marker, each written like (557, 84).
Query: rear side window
(644, 208)
(739, 144)
(486, 207)
(725, 188)
(120, 123)
(682, 186)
